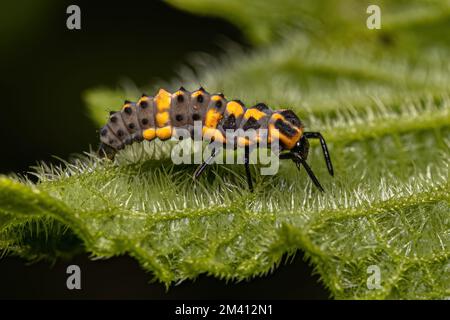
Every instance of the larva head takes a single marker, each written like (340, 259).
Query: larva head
(302, 147)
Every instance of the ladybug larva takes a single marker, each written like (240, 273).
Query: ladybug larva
(160, 116)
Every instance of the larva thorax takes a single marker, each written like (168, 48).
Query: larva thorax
(161, 116)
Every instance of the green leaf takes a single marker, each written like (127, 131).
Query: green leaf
(388, 206)
(384, 110)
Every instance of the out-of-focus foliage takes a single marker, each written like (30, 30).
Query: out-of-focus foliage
(380, 97)
(16, 21)
(331, 21)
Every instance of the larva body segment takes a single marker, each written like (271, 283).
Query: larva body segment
(200, 100)
(115, 132)
(180, 113)
(130, 119)
(146, 118)
(255, 118)
(233, 115)
(163, 115)
(160, 117)
(108, 138)
(163, 126)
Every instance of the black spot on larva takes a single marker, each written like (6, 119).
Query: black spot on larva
(180, 98)
(251, 123)
(113, 119)
(182, 89)
(104, 132)
(131, 126)
(218, 104)
(144, 121)
(179, 117)
(138, 137)
(195, 117)
(126, 102)
(143, 104)
(229, 123)
(285, 128)
(111, 141)
(200, 98)
(128, 141)
(112, 112)
(128, 110)
(221, 95)
(201, 89)
(119, 133)
(144, 95)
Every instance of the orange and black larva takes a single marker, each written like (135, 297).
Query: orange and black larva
(160, 116)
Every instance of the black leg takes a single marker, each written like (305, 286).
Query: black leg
(310, 173)
(289, 156)
(247, 168)
(299, 160)
(205, 163)
(326, 154)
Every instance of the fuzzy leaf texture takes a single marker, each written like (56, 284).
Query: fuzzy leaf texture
(380, 97)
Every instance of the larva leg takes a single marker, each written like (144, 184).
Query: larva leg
(326, 154)
(205, 163)
(247, 169)
(299, 160)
